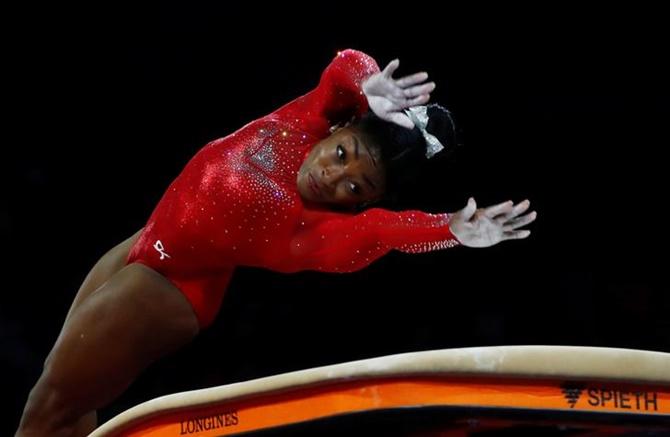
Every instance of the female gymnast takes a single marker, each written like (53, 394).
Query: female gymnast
(294, 190)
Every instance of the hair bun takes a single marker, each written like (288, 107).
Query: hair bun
(441, 124)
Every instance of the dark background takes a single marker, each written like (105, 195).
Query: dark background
(104, 107)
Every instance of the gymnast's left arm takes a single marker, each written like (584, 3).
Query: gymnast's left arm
(337, 242)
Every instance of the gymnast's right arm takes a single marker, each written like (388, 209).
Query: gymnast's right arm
(339, 95)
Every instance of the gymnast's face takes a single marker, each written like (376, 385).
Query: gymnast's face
(342, 170)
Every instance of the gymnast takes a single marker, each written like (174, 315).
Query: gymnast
(299, 189)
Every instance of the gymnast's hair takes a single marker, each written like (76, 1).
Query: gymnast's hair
(403, 151)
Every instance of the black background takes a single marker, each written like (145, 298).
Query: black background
(104, 107)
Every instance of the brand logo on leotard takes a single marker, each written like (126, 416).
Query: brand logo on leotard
(159, 247)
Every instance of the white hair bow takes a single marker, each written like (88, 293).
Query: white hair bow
(419, 116)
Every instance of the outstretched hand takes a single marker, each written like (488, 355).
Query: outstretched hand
(485, 227)
(388, 97)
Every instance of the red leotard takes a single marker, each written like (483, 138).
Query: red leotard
(236, 202)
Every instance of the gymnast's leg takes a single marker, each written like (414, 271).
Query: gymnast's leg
(110, 263)
(134, 318)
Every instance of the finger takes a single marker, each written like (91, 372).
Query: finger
(515, 235)
(397, 93)
(404, 103)
(469, 211)
(391, 68)
(412, 79)
(501, 208)
(419, 90)
(520, 221)
(401, 119)
(417, 101)
(519, 209)
(401, 102)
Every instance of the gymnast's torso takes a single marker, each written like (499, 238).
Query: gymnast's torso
(235, 203)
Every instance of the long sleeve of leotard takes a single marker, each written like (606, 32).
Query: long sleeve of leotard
(339, 96)
(335, 242)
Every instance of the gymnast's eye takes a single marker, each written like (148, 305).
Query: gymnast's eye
(341, 153)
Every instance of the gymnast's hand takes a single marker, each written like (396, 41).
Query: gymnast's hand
(485, 227)
(388, 97)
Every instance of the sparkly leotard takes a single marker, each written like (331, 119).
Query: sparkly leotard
(236, 202)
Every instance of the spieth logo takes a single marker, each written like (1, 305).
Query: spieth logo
(610, 397)
(572, 392)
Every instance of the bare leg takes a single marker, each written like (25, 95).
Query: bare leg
(136, 317)
(110, 263)
(86, 424)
